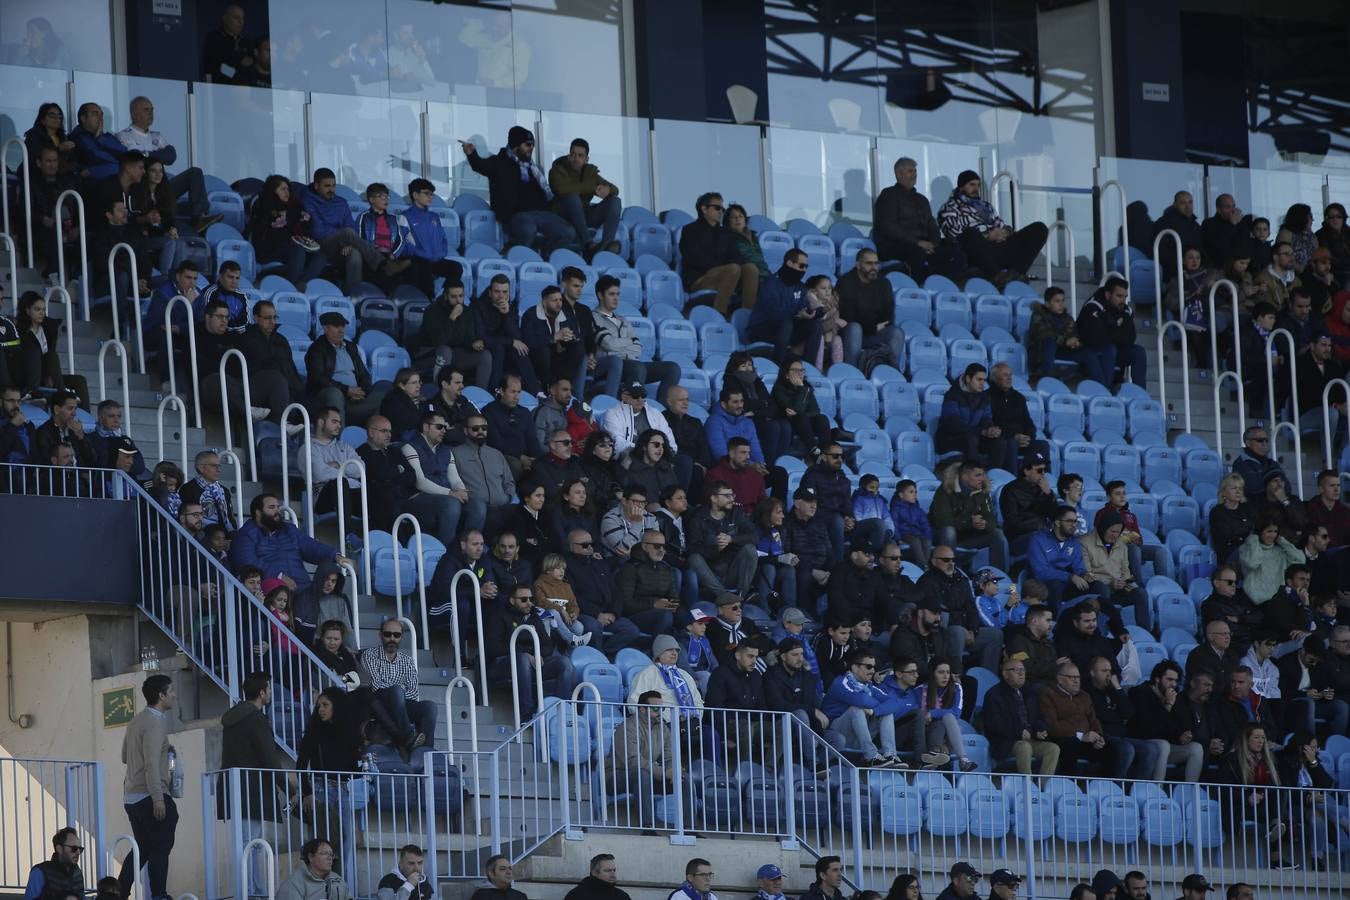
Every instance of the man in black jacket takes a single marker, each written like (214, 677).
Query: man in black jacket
(792, 687)
(710, 259)
(391, 482)
(1027, 503)
(923, 638)
(1134, 758)
(601, 884)
(500, 620)
(1306, 689)
(867, 304)
(721, 541)
(451, 403)
(1161, 717)
(592, 579)
(1228, 603)
(738, 684)
(1008, 406)
(688, 434)
(335, 375)
(853, 590)
(267, 349)
(906, 230)
(1240, 705)
(806, 536)
(894, 590)
(267, 391)
(1106, 328)
(1077, 637)
(1215, 654)
(519, 193)
(1014, 723)
(1179, 217)
(1223, 233)
(945, 584)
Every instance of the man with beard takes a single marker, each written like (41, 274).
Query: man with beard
(277, 547)
(867, 304)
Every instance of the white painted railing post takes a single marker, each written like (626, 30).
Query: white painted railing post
(1220, 376)
(1275, 426)
(353, 602)
(192, 354)
(1124, 228)
(515, 677)
(1073, 264)
(137, 884)
(84, 247)
(126, 381)
(68, 323)
(419, 571)
(233, 458)
(360, 469)
(1329, 439)
(164, 404)
(135, 297)
(25, 178)
(478, 624)
(248, 408)
(286, 468)
(267, 851)
(1014, 198)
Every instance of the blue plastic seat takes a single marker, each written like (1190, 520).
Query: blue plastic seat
(1202, 467)
(653, 239)
(819, 251)
(1163, 823)
(1106, 414)
(951, 308)
(857, 395)
(915, 447)
(899, 399)
(992, 311)
(901, 810)
(1174, 610)
(480, 227)
(963, 353)
(947, 813)
(1012, 353)
(664, 286)
(1146, 417)
(386, 361)
(534, 276)
(1121, 462)
(927, 352)
(1118, 817)
(676, 337)
(1075, 819)
(240, 251)
(913, 305)
(1084, 459)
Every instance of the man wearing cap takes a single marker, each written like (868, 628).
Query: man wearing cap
(1027, 503)
(696, 653)
(1003, 885)
(853, 591)
(855, 708)
(999, 252)
(1013, 722)
(792, 687)
(829, 880)
(770, 881)
(923, 638)
(631, 416)
(806, 535)
(1195, 887)
(722, 543)
(731, 628)
(834, 491)
(520, 194)
(950, 587)
(335, 375)
(107, 437)
(964, 877)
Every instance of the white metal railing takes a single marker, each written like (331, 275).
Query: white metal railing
(192, 353)
(25, 178)
(13, 254)
(1014, 200)
(121, 349)
(467, 684)
(137, 880)
(353, 601)
(478, 624)
(411, 630)
(260, 845)
(419, 571)
(1220, 375)
(1276, 427)
(515, 678)
(360, 469)
(232, 458)
(1329, 439)
(68, 323)
(62, 481)
(164, 404)
(84, 247)
(1124, 228)
(135, 296)
(1059, 226)
(286, 464)
(1165, 325)
(37, 798)
(247, 411)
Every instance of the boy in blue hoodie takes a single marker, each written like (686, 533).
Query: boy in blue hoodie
(869, 504)
(911, 523)
(852, 705)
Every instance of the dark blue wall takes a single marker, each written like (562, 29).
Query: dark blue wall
(1146, 48)
(76, 550)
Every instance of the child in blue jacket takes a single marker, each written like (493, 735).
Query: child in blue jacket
(911, 523)
(869, 504)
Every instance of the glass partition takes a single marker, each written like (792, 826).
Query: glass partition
(939, 164)
(367, 139)
(690, 158)
(826, 178)
(620, 147)
(114, 93)
(22, 91)
(1153, 183)
(240, 132)
(483, 126)
(1269, 193)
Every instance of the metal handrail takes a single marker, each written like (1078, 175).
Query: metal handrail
(1328, 439)
(135, 296)
(248, 407)
(353, 601)
(286, 467)
(1276, 427)
(25, 177)
(1221, 376)
(419, 568)
(584, 686)
(192, 354)
(13, 252)
(478, 622)
(271, 854)
(1157, 271)
(68, 322)
(135, 861)
(172, 400)
(515, 677)
(228, 454)
(1014, 197)
(365, 507)
(1073, 265)
(84, 248)
(126, 381)
(1164, 326)
(473, 712)
(407, 623)
(1124, 227)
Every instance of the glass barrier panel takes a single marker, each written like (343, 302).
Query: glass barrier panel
(483, 126)
(56, 34)
(1074, 208)
(1339, 188)
(114, 94)
(240, 132)
(620, 147)
(567, 56)
(1268, 193)
(826, 178)
(938, 163)
(1152, 182)
(22, 91)
(346, 54)
(690, 158)
(367, 139)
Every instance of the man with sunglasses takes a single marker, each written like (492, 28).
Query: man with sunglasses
(711, 260)
(59, 877)
(857, 709)
(591, 576)
(485, 469)
(722, 543)
(1027, 503)
(397, 702)
(964, 878)
(1254, 462)
(786, 313)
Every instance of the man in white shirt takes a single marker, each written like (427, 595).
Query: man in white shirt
(631, 416)
(138, 136)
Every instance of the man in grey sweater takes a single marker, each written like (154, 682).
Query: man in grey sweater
(145, 788)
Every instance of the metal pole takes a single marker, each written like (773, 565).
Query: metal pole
(1292, 427)
(1221, 377)
(515, 679)
(365, 508)
(68, 322)
(171, 400)
(84, 250)
(1328, 439)
(1073, 265)
(192, 353)
(25, 177)
(1014, 196)
(309, 476)
(135, 296)
(418, 568)
(1124, 227)
(478, 624)
(248, 407)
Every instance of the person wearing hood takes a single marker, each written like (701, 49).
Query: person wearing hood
(520, 195)
(1107, 560)
(602, 883)
(784, 314)
(408, 880)
(962, 513)
(678, 689)
(1107, 885)
(999, 252)
(314, 878)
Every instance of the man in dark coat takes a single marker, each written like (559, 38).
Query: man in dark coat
(520, 194)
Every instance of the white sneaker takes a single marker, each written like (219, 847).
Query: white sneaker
(582, 640)
(258, 413)
(294, 428)
(934, 758)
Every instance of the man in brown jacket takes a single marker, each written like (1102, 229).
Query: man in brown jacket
(145, 788)
(642, 760)
(1071, 720)
(576, 183)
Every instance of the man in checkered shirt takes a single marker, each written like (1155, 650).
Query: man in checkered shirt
(397, 704)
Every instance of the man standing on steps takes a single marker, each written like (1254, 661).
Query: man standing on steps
(145, 788)
(397, 703)
(602, 883)
(499, 878)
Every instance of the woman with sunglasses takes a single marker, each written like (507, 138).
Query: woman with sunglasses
(652, 466)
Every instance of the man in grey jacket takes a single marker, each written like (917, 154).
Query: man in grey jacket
(485, 471)
(146, 789)
(618, 350)
(555, 412)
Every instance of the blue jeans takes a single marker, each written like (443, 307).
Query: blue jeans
(786, 332)
(891, 336)
(155, 838)
(299, 265)
(1131, 357)
(1090, 363)
(550, 230)
(440, 515)
(654, 621)
(583, 217)
(401, 717)
(616, 371)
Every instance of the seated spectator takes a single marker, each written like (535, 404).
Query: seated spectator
(1306, 685)
(328, 455)
(1276, 279)
(1298, 231)
(520, 194)
(1053, 335)
(268, 350)
(1250, 765)
(506, 566)
(631, 416)
(469, 553)
(225, 289)
(738, 685)
(563, 410)
(156, 205)
(1252, 337)
(1106, 328)
(1077, 637)
(1135, 758)
(962, 513)
(1179, 217)
(854, 706)
(967, 633)
(603, 470)
(1264, 556)
(441, 499)
(451, 334)
(1232, 519)
(557, 466)
(485, 470)
(852, 590)
(906, 231)
(570, 511)
(618, 350)
(678, 691)
(396, 702)
(207, 491)
(1223, 233)
(556, 607)
(728, 420)
(774, 433)
(671, 516)
(408, 881)
(324, 604)
(182, 282)
(527, 522)
(1288, 512)
(651, 465)
(784, 315)
(939, 711)
(18, 436)
(1259, 658)
(744, 479)
(451, 403)
(795, 400)
(403, 405)
(49, 132)
(576, 183)
(623, 526)
(107, 435)
(1027, 503)
(38, 363)
(1013, 722)
(139, 137)
(388, 233)
(1334, 238)
(50, 179)
(710, 258)
(560, 675)
(869, 505)
(499, 329)
(922, 637)
(336, 376)
(832, 647)
(111, 228)
(97, 152)
(553, 336)
(643, 758)
(690, 439)
(1160, 718)
(1300, 321)
(834, 503)
(1216, 653)
(511, 428)
(315, 874)
(280, 230)
(1328, 510)
(1241, 705)
(1106, 559)
(912, 527)
(646, 584)
(1071, 721)
(995, 249)
(1009, 408)
(966, 423)
(1299, 764)
(591, 576)
(272, 544)
(737, 221)
(806, 535)
(332, 227)
(791, 687)
(427, 240)
(721, 544)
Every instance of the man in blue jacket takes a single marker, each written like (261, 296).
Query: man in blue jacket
(728, 420)
(784, 314)
(1055, 558)
(429, 245)
(854, 706)
(97, 152)
(333, 228)
(277, 547)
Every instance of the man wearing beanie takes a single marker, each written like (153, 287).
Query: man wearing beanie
(520, 194)
(999, 252)
(677, 687)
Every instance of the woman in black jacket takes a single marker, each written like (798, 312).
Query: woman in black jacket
(1231, 519)
(39, 364)
(49, 131)
(332, 745)
(279, 230)
(526, 521)
(774, 432)
(1300, 767)
(571, 511)
(403, 406)
(606, 475)
(795, 400)
(651, 466)
(156, 208)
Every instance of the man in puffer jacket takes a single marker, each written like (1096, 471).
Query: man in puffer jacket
(314, 878)
(966, 424)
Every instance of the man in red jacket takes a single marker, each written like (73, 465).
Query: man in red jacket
(745, 480)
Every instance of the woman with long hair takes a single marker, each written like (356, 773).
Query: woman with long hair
(737, 221)
(526, 521)
(1298, 231)
(156, 207)
(279, 229)
(571, 511)
(331, 748)
(937, 733)
(1250, 765)
(403, 406)
(1299, 766)
(776, 579)
(795, 400)
(1336, 239)
(39, 359)
(606, 475)
(1264, 556)
(905, 887)
(774, 433)
(49, 130)
(165, 480)
(651, 464)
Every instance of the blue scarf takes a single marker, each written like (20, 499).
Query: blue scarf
(528, 169)
(699, 648)
(692, 892)
(684, 698)
(214, 508)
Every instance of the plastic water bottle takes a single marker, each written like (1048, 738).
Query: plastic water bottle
(152, 660)
(145, 660)
(175, 775)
